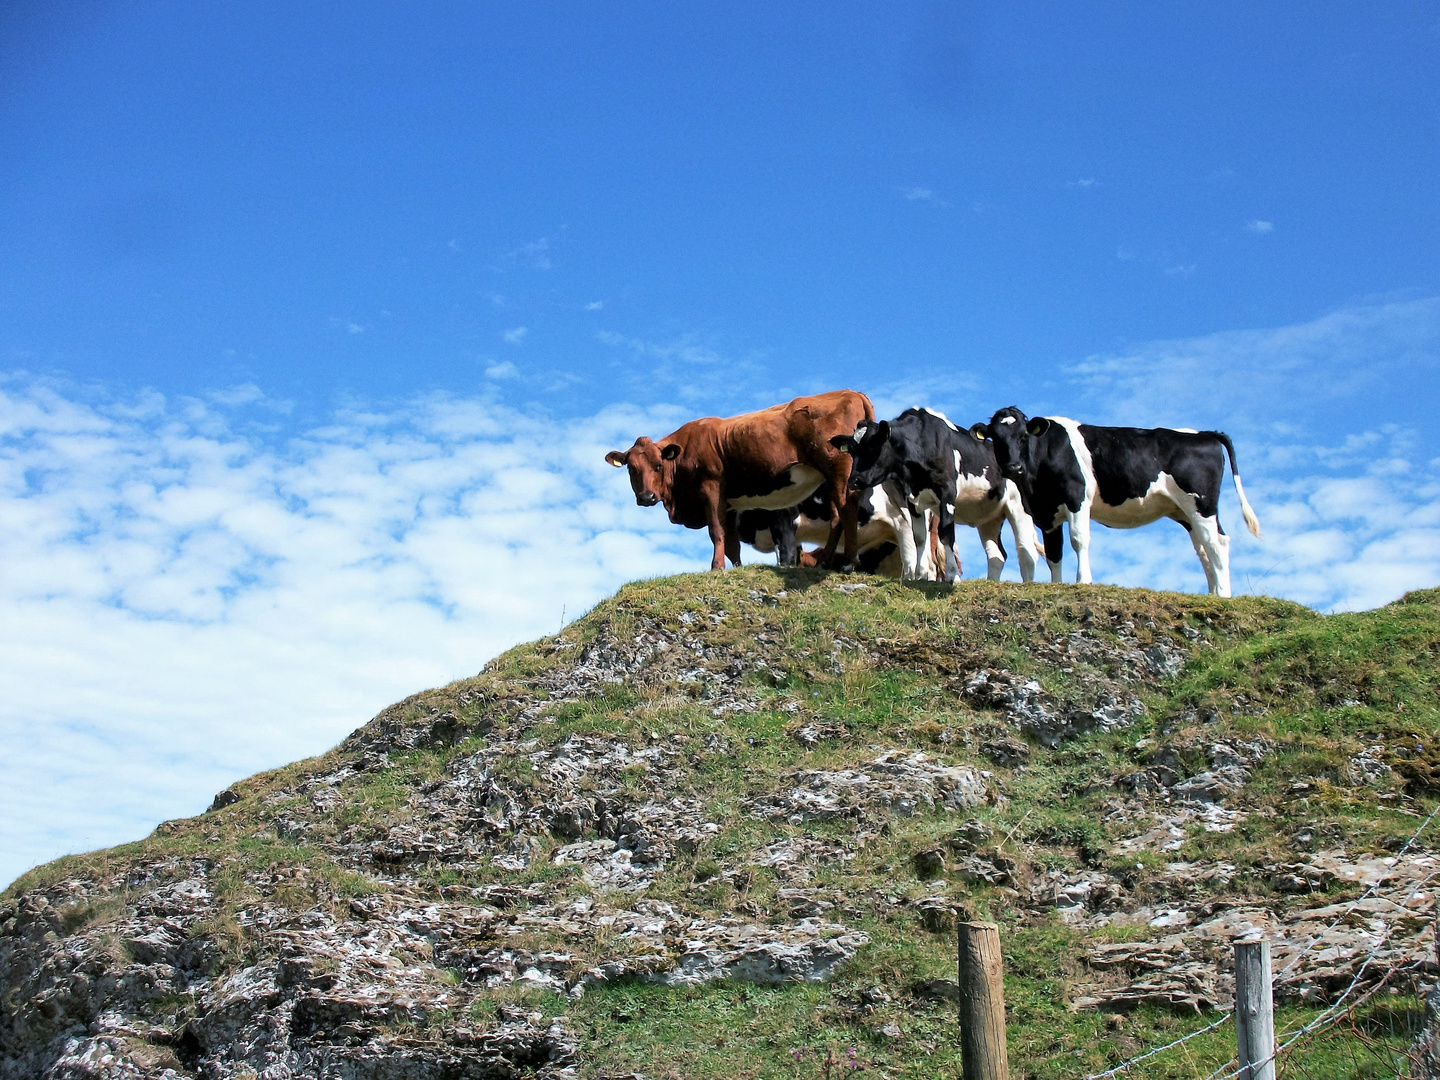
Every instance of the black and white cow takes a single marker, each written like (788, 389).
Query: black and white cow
(881, 514)
(1121, 477)
(932, 466)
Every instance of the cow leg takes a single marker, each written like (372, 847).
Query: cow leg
(1213, 547)
(782, 528)
(1211, 585)
(1080, 541)
(715, 524)
(994, 550)
(905, 540)
(934, 545)
(732, 538)
(850, 522)
(839, 506)
(1023, 529)
(1054, 551)
(920, 531)
(949, 568)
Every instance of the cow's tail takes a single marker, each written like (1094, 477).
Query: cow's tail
(1251, 521)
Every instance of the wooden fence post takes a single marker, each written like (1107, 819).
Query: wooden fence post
(982, 1003)
(1254, 1011)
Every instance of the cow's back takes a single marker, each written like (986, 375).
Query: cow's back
(820, 416)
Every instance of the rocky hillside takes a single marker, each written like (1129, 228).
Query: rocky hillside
(723, 826)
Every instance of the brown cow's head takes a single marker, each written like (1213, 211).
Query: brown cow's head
(646, 461)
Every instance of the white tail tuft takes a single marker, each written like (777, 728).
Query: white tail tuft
(1251, 521)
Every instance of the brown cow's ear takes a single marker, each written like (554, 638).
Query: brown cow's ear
(1037, 426)
(980, 431)
(844, 443)
(616, 458)
(671, 452)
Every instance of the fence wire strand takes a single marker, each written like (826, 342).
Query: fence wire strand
(1332, 1013)
(1349, 909)
(1158, 1050)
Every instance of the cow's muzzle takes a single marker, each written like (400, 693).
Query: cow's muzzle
(646, 499)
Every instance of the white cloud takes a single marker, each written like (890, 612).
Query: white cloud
(923, 194)
(695, 370)
(1261, 226)
(184, 605)
(595, 305)
(1269, 376)
(240, 394)
(1183, 270)
(532, 256)
(515, 335)
(503, 370)
(1083, 182)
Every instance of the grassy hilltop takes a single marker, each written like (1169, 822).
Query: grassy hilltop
(725, 823)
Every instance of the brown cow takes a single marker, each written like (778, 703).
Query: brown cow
(769, 459)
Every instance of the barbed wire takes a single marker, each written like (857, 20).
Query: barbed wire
(1362, 897)
(1158, 1050)
(1333, 1013)
(1330, 1012)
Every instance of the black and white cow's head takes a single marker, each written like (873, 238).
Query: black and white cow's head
(1009, 433)
(876, 459)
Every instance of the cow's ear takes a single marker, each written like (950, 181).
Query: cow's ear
(671, 452)
(980, 431)
(616, 458)
(844, 443)
(1037, 426)
(882, 432)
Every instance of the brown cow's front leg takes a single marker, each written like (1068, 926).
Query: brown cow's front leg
(715, 522)
(844, 518)
(732, 537)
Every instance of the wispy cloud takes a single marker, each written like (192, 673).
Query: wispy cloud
(1083, 182)
(1277, 375)
(185, 604)
(1258, 226)
(1158, 259)
(691, 368)
(515, 335)
(534, 255)
(503, 370)
(923, 194)
(595, 305)
(248, 394)
(684, 350)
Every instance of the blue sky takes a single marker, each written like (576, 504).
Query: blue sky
(315, 319)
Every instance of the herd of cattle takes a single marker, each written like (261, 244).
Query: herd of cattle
(821, 470)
